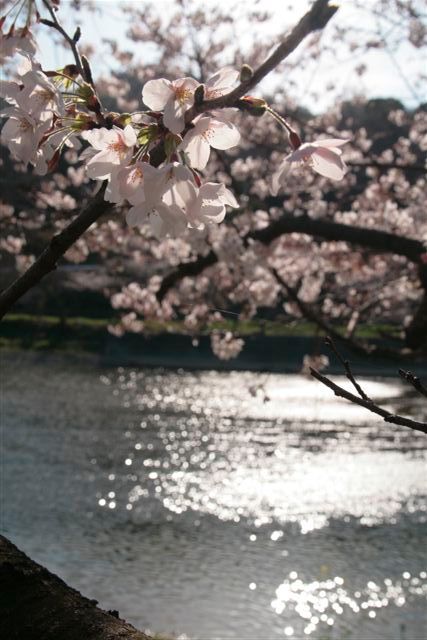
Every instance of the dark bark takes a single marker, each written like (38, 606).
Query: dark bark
(36, 605)
(368, 404)
(47, 261)
(380, 241)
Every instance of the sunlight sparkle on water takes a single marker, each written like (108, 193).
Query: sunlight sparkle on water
(323, 601)
(221, 451)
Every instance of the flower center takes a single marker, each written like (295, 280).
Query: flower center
(44, 96)
(136, 175)
(182, 94)
(25, 125)
(119, 147)
(208, 134)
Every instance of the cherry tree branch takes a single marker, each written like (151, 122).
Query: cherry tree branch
(315, 19)
(385, 166)
(414, 381)
(71, 40)
(60, 243)
(314, 315)
(368, 404)
(381, 241)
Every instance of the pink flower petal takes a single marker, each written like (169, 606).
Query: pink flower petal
(330, 142)
(198, 151)
(174, 115)
(328, 164)
(222, 135)
(156, 93)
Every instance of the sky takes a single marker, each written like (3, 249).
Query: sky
(390, 73)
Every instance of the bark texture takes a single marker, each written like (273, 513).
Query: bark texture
(37, 605)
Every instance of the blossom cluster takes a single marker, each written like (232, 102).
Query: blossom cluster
(151, 160)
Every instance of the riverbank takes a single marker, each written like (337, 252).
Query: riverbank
(279, 349)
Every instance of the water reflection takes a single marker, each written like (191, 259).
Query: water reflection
(323, 601)
(210, 446)
(194, 507)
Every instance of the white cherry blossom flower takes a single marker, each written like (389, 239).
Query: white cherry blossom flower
(130, 182)
(22, 134)
(208, 132)
(323, 156)
(20, 41)
(205, 205)
(114, 148)
(221, 83)
(39, 96)
(157, 202)
(9, 91)
(175, 98)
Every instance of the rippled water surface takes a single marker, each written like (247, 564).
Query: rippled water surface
(219, 505)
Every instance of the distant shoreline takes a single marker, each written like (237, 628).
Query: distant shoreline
(273, 354)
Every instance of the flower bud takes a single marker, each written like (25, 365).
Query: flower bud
(254, 106)
(123, 119)
(54, 161)
(199, 94)
(93, 104)
(294, 140)
(246, 73)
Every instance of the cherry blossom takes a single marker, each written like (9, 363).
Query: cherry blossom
(39, 96)
(323, 156)
(175, 98)
(208, 132)
(114, 148)
(22, 134)
(16, 41)
(165, 215)
(221, 83)
(170, 195)
(226, 346)
(205, 205)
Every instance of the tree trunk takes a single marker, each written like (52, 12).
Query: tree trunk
(37, 605)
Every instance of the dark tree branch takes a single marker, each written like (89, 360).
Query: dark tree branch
(414, 381)
(314, 20)
(60, 243)
(369, 404)
(348, 371)
(385, 166)
(71, 41)
(314, 315)
(381, 241)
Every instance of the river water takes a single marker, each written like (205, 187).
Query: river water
(215, 505)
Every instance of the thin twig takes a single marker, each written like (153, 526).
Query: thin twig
(347, 367)
(414, 381)
(55, 24)
(369, 404)
(315, 316)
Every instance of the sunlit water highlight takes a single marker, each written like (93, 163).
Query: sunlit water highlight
(219, 505)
